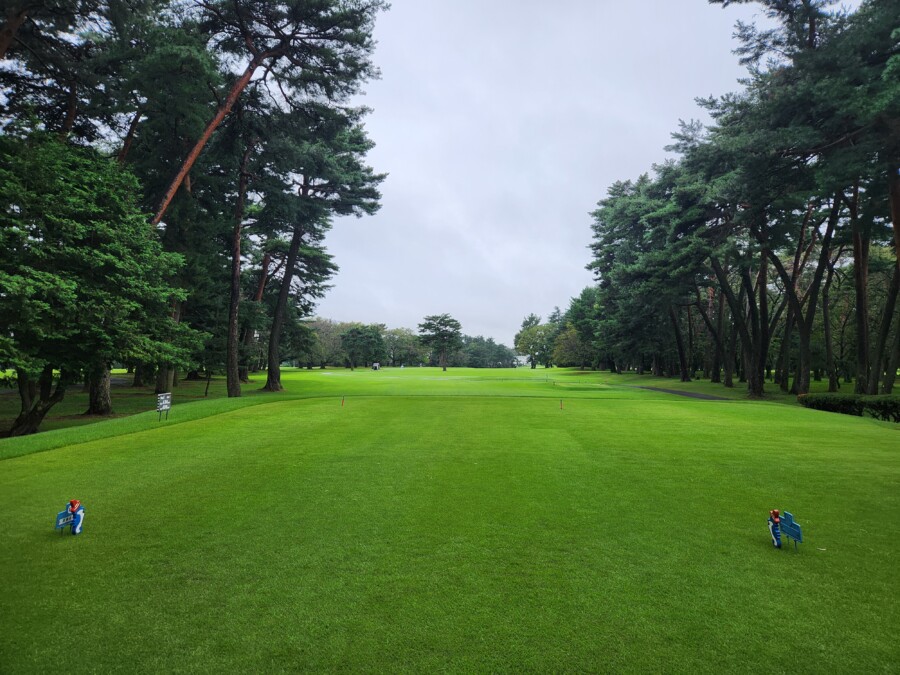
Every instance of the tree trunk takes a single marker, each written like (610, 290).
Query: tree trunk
(679, 343)
(804, 322)
(273, 374)
(37, 400)
(143, 373)
(129, 137)
(738, 324)
(719, 358)
(751, 321)
(223, 110)
(99, 399)
(247, 341)
(14, 21)
(830, 367)
(757, 383)
(861, 287)
(893, 364)
(165, 378)
(784, 354)
(71, 108)
(879, 356)
(232, 375)
(729, 357)
(689, 354)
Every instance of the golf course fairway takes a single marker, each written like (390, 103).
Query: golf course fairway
(414, 520)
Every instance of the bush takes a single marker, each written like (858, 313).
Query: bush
(848, 404)
(885, 407)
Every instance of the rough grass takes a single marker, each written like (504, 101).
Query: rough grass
(459, 521)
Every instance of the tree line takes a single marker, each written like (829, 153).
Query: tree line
(439, 342)
(768, 250)
(168, 171)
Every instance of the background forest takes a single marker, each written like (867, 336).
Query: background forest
(232, 123)
(765, 251)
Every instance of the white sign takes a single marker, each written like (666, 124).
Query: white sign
(163, 402)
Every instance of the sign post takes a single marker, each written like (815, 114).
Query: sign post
(163, 403)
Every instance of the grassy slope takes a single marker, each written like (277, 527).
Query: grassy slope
(462, 521)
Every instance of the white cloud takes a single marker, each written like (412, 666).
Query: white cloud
(502, 123)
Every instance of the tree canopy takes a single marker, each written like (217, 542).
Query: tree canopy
(442, 334)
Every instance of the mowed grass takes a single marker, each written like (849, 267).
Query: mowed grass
(460, 521)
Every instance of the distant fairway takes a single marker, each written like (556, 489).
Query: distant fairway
(460, 521)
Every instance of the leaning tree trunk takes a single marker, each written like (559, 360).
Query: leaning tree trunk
(746, 315)
(273, 372)
(129, 137)
(99, 399)
(804, 322)
(754, 345)
(214, 123)
(37, 400)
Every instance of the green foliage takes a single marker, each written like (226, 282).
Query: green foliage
(884, 407)
(570, 350)
(85, 277)
(847, 404)
(402, 347)
(536, 342)
(480, 352)
(442, 334)
(363, 345)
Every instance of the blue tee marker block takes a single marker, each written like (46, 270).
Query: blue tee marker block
(64, 519)
(72, 515)
(791, 529)
(775, 528)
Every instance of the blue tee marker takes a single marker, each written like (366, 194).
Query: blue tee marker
(72, 515)
(791, 529)
(785, 524)
(775, 528)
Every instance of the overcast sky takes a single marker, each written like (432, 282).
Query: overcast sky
(501, 124)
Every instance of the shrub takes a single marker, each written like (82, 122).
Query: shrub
(848, 404)
(885, 407)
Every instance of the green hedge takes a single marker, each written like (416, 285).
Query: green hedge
(848, 404)
(885, 407)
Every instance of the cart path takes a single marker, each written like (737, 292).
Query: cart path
(689, 394)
